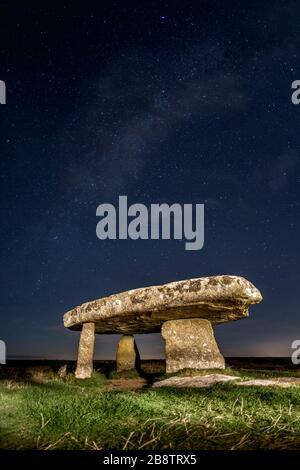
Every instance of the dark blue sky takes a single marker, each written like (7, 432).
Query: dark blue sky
(186, 102)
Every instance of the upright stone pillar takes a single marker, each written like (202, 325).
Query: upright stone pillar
(190, 344)
(84, 367)
(128, 357)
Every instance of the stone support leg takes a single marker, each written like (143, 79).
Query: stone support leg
(84, 367)
(190, 344)
(128, 357)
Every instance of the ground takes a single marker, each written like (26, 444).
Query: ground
(42, 411)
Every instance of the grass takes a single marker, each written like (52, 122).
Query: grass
(74, 414)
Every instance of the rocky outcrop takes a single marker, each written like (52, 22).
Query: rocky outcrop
(203, 381)
(63, 371)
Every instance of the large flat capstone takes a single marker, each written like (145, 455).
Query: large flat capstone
(218, 299)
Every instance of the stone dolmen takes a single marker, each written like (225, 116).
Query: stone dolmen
(183, 311)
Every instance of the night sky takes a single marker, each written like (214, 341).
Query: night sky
(186, 102)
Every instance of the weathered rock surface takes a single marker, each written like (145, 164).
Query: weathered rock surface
(128, 357)
(84, 367)
(190, 344)
(217, 298)
(63, 371)
(209, 380)
(284, 382)
(195, 382)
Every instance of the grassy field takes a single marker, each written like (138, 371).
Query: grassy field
(54, 413)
